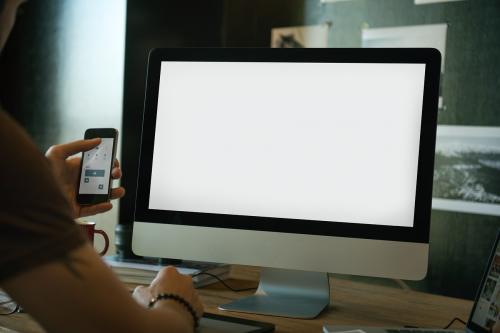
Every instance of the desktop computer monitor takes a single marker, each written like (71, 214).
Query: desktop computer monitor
(299, 160)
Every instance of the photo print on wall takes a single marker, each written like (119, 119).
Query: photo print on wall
(300, 37)
(467, 169)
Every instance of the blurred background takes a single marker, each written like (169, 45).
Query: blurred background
(75, 64)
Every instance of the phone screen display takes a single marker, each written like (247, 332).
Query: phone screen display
(96, 168)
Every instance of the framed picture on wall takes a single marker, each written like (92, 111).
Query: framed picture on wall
(467, 170)
(300, 36)
(425, 35)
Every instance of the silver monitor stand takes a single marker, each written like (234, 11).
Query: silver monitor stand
(286, 293)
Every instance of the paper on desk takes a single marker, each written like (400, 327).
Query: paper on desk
(149, 267)
(327, 330)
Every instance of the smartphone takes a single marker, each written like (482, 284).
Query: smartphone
(94, 185)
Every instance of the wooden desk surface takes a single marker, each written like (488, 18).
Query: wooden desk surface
(353, 303)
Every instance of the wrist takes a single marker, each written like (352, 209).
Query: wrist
(177, 302)
(179, 310)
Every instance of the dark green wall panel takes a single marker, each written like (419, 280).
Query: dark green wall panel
(460, 243)
(459, 248)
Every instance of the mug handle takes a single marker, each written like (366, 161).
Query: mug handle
(106, 241)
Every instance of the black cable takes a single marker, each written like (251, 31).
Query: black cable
(454, 320)
(223, 282)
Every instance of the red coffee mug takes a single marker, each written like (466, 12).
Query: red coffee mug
(89, 229)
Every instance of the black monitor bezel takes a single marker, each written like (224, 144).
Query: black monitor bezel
(419, 233)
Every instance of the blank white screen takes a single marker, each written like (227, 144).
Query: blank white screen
(313, 141)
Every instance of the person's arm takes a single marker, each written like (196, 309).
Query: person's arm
(80, 294)
(496, 327)
(46, 264)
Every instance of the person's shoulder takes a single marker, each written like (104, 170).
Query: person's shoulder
(16, 145)
(10, 129)
(24, 169)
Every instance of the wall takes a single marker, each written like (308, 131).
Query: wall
(472, 74)
(62, 72)
(153, 24)
(248, 23)
(460, 243)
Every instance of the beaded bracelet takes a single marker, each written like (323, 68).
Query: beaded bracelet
(178, 299)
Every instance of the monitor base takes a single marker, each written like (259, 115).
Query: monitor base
(286, 293)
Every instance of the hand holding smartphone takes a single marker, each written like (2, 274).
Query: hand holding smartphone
(94, 185)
